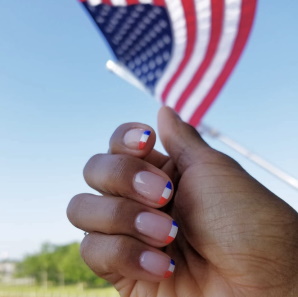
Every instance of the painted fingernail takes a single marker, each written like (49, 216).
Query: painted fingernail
(153, 187)
(165, 194)
(157, 264)
(144, 139)
(136, 138)
(156, 227)
(173, 232)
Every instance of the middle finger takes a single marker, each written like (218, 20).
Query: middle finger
(130, 177)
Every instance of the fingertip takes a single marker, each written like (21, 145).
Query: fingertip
(134, 139)
(153, 187)
(166, 194)
(182, 141)
(113, 257)
(157, 264)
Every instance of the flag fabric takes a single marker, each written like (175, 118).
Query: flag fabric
(183, 51)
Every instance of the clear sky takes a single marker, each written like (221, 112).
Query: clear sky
(59, 105)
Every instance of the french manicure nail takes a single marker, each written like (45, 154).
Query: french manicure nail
(144, 139)
(173, 233)
(136, 138)
(156, 227)
(153, 187)
(165, 194)
(157, 264)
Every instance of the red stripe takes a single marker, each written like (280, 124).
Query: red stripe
(191, 24)
(247, 17)
(132, 2)
(217, 8)
(108, 2)
(159, 2)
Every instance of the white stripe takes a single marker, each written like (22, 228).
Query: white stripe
(230, 31)
(119, 2)
(176, 13)
(166, 193)
(146, 1)
(171, 268)
(94, 2)
(203, 11)
(173, 231)
(144, 138)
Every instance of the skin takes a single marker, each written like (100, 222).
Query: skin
(235, 239)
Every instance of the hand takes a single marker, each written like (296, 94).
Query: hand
(235, 238)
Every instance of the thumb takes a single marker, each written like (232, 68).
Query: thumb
(182, 142)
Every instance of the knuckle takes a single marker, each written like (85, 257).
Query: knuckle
(110, 256)
(90, 167)
(73, 208)
(117, 212)
(120, 167)
(104, 172)
(86, 250)
(115, 181)
(84, 247)
(121, 244)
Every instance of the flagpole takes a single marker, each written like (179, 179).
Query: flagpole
(123, 73)
(277, 172)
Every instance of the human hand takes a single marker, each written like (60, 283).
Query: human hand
(235, 238)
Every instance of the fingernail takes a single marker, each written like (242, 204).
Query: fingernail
(157, 264)
(156, 227)
(136, 138)
(153, 187)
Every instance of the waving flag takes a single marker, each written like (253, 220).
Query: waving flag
(183, 51)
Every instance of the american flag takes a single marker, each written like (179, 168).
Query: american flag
(182, 51)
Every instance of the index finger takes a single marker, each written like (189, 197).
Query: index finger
(137, 140)
(134, 139)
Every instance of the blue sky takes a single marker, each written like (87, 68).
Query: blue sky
(59, 106)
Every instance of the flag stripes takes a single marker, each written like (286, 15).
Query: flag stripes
(207, 38)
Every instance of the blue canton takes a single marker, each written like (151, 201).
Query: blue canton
(140, 37)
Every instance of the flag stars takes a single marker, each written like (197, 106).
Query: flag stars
(166, 56)
(140, 8)
(152, 64)
(145, 68)
(159, 60)
(138, 72)
(150, 76)
(100, 20)
(140, 36)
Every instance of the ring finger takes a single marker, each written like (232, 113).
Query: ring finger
(118, 216)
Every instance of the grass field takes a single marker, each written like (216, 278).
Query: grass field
(67, 291)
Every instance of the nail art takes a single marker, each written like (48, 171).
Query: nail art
(166, 194)
(144, 139)
(170, 269)
(173, 233)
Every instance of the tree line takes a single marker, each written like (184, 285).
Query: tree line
(58, 265)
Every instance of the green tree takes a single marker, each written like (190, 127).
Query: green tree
(59, 265)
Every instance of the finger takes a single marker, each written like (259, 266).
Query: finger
(185, 145)
(136, 139)
(181, 141)
(113, 257)
(129, 177)
(115, 215)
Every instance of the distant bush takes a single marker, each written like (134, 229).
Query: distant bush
(58, 265)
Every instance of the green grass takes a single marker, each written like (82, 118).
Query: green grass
(67, 291)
